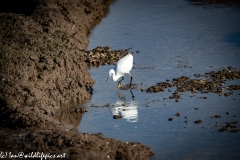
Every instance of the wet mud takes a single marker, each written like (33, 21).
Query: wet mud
(43, 71)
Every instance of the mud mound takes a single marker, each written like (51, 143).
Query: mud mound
(84, 146)
(42, 59)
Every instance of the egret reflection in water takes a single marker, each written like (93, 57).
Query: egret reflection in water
(128, 110)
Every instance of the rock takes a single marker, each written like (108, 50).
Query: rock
(177, 114)
(198, 121)
(33, 58)
(117, 116)
(216, 116)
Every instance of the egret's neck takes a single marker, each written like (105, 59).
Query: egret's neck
(115, 77)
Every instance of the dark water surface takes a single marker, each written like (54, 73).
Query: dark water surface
(175, 39)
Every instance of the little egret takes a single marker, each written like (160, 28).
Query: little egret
(123, 66)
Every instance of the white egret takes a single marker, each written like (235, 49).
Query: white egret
(123, 66)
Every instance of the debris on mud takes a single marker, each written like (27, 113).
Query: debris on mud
(212, 82)
(103, 55)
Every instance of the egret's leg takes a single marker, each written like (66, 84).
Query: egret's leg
(132, 94)
(130, 82)
(130, 87)
(119, 83)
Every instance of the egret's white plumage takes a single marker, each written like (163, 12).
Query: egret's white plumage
(123, 66)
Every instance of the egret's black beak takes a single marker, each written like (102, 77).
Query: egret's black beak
(107, 77)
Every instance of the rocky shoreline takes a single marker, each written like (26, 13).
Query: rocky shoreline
(43, 70)
(208, 82)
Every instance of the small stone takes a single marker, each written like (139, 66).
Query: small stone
(177, 114)
(216, 116)
(198, 121)
(33, 58)
(117, 116)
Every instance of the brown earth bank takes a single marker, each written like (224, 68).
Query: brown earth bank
(43, 70)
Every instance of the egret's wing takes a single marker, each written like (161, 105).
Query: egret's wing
(124, 65)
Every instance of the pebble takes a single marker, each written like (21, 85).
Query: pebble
(216, 116)
(117, 116)
(177, 114)
(198, 121)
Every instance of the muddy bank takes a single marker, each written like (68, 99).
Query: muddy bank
(42, 63)
(70, 144)
(43, 69)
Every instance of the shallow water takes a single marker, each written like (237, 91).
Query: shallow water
(174, 38)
